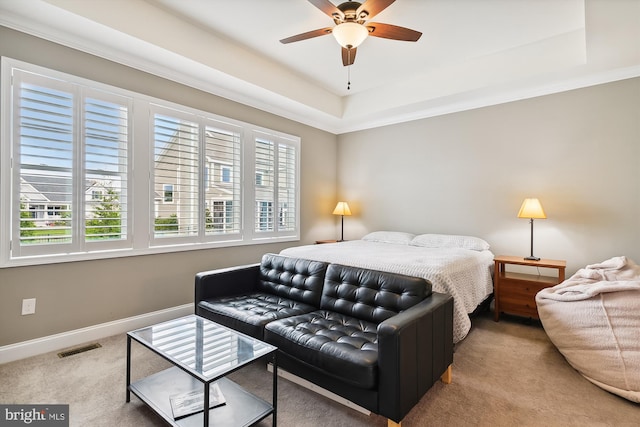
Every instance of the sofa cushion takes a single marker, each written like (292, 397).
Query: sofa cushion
(249, 313)
(293, 278)
(370, 295)
(340, 345)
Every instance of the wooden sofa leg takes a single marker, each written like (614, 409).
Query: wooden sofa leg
(391, 423)
(446, 377)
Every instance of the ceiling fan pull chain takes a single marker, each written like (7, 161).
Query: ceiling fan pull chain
(349, 70)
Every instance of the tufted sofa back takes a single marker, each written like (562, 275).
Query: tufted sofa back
(294, 278)
(370, 295)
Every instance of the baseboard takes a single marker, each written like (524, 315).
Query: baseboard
(321, 391)
(21, 350)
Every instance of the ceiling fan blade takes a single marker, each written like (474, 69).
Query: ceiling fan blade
(348, 56)
(328, 8)
(307, 35)
(394, 32)
(373, 7)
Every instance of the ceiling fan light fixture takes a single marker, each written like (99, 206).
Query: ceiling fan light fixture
(350, 34)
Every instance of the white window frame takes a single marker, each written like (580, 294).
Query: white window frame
(141, 208)
(10, 161)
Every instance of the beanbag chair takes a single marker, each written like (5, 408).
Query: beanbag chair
(593, 318)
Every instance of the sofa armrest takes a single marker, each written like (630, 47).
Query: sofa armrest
(415, 348)
(226, 282)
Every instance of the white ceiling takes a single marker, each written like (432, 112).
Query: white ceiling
(472, 52)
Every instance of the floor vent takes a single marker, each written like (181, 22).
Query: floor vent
(78, 350)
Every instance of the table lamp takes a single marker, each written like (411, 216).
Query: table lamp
(532, 209)
(342, 208)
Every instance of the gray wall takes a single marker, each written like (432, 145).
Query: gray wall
(468, 173)
(80, 294)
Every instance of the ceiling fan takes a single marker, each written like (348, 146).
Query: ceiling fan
(352, 26)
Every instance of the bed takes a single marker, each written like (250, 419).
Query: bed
(461, 266)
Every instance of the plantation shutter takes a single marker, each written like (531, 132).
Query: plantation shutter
(276, 189)
(222, 189)
(175, 176)
(44, 150)
(67, 167)
(56, 125)
(287, 187)
(106, 147)
(264, 185)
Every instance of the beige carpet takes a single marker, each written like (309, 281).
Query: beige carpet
(504, 374)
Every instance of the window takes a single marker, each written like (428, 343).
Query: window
(67, 173)
(225, 174)
(287, 188)
(106, 158)
(176, 154)
(167, 193)
(264, 215)
(221, 219)
(203, 209)
(223, 145)
(67, 138)
(276, 184)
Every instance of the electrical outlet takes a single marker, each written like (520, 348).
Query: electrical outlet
(28, 306)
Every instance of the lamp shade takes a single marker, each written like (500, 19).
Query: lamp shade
(531, 208)
(342, 208)
(350, 34)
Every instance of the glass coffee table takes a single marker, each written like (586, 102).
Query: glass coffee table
(203, 353)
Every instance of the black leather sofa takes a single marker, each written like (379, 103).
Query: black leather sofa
(378, 339)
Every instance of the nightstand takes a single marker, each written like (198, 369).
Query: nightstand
(319, 242)
(515, 293)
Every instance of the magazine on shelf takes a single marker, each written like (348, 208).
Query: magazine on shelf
(185, 404)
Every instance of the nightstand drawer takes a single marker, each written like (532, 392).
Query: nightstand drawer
(518, 293)
(520, 289)
(519, 307)
(519, 299)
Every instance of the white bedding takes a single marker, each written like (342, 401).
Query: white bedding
(465, 274)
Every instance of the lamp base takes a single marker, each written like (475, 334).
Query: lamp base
(532, 258)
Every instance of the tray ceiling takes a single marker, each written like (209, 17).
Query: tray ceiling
(471, 54)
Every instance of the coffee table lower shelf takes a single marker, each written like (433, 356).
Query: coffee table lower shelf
(241, 409)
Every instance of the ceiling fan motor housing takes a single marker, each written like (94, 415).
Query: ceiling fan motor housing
(350, 11)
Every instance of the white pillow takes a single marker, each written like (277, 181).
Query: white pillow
(397, 237)
(450, 241)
